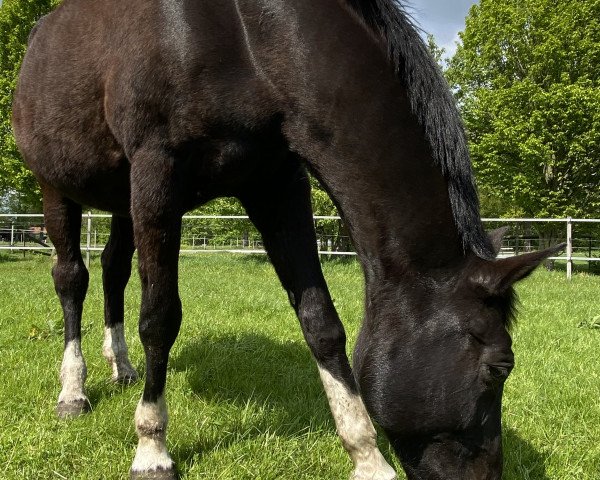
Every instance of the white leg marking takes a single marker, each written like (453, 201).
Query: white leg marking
(355, 430)
(151, 425)
(115, 351)
(73, 373)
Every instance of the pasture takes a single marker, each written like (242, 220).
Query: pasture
(243, 392)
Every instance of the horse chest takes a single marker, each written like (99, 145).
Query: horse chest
(214, 167)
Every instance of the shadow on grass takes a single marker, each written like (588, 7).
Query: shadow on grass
(12, 258)
(521, 460)
(255, 259)
(235, 368)
(279, 378)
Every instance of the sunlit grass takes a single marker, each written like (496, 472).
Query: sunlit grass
(244, 396)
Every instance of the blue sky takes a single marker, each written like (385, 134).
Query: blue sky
(442, 18)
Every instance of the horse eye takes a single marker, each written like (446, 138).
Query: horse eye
(499, 372)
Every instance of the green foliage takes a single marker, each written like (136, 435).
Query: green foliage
(222, 231)
(17, 18)
(219, 231)
(332, 234)
(438, 53)
(527, 79)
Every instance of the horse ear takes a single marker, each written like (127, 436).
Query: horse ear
(497, 276)
(496, 237)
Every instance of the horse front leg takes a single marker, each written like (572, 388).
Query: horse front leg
(282, 212)
(157, 231)
(63, 223)
(116, 270)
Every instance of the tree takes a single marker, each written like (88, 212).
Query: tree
(330, 233)
(17, 18)
(438, 53)
(527, 80)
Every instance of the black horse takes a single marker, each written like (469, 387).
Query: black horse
(148, 108)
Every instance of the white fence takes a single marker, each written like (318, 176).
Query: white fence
(235, 234)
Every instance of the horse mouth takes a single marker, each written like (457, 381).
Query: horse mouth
(450, 458)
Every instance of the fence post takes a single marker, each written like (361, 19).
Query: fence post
(569, 248)
(88, 239)
(12, 235)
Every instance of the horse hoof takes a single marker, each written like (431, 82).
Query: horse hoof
(159, 474)
(126, 380)
(66, 410)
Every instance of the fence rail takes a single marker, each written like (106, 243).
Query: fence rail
(235, 234)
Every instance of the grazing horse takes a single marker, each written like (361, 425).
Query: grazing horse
(149, 108)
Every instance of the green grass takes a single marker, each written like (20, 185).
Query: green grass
(244, 396)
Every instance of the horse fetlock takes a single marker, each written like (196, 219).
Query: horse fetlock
(122, 370)
(73, 368)
(374, 467)
(152, 460)
(151, 418)
(72, 400)
(369, 463)
(371, 475)
(114, 350)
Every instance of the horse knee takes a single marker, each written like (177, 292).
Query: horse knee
(160, 320)
(322, 329)
(70, 279)
(328, 341)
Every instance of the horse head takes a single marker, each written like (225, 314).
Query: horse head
(433, 378)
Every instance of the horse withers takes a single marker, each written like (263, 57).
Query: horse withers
(149, 108)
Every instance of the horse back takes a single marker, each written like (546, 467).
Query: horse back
(102, 79)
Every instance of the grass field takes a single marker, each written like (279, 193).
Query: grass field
(244, 396)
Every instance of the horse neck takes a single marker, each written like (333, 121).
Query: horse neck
(352, 122)
(394, 201)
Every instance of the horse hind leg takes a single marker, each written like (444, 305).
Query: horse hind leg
(116, 270)
(63, 223)
(282, 213)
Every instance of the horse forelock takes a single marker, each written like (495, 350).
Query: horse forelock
(434, 106)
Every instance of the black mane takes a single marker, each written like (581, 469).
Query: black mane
(435, 108)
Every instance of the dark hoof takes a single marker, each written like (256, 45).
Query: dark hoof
(68, 410)
(170, 474)
(126, 380)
